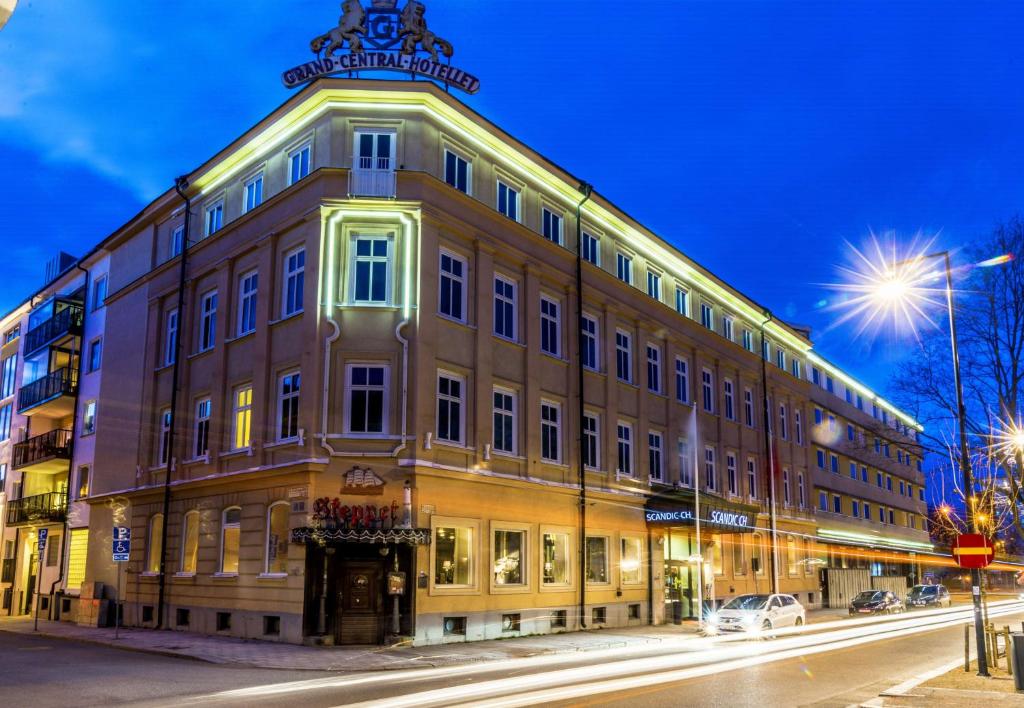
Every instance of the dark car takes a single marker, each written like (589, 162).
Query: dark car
(873, 602)
(928, 596)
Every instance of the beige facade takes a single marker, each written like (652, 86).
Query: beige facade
(378, 376)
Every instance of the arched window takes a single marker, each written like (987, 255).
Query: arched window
(154, 539)
(189, 542)
(230, 530)
(276, 557)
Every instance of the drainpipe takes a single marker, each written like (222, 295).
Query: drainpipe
(586, 190)
(180, 185)
(768, 455)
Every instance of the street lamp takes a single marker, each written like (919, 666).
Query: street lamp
(898, 289)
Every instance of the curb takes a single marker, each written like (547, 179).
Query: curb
(125, 647)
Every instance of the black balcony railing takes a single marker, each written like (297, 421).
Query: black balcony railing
(55, 444)
(42, 507)
(62, 382)
(7, 571)
(66, 322)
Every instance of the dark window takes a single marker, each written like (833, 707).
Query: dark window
(223, 621)
(181, 617)
(271, 625)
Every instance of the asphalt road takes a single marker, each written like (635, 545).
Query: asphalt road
(845, 662)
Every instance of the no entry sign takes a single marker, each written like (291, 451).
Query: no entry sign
(973, 550)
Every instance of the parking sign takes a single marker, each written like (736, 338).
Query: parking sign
(42, 538)
(121, 550)
(122, 533)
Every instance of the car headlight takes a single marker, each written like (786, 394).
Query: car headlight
(713, 619)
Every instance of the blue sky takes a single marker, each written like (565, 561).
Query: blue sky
(756, 136)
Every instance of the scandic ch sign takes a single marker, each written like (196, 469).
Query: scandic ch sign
(685, 516)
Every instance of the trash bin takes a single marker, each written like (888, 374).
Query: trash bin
(1018, 659)
(677, 612)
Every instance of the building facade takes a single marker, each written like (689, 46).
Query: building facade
(377, 430)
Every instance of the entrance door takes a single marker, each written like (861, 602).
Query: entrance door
(360, 603)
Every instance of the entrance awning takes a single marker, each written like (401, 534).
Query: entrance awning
(414, 537)
(676, 508)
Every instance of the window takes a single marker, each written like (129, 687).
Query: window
(241, 416)
(685, 459)
(792, 561)
(707, 386)
(623, 347)
(508, 201)
(855, 509)
(454, 556)
(654, 466)
(214, 217)
(780, 358)
(837, 504)
(504, 402)
(449, 407)
(624, 456)
(202, 428)
(277, 539)
(550, 326)
(755, 554)
(800, 494)
(597, 559)
(154, 543)
(557, 559)
(371, 270)
(739, 559)
(730, 473)
(783, 422)
(830, 385)
(853, 470)
(170, 337)
(867, 511)
(551, 226)
(878, 479)
(247, 286)
(95, 354)
(881, 515)
(591, 441)
(717, 562)
(8, 371)
(653, 369)
(177, 240)
(591, 249)
(850, 432)
(452, 290)
(834, 464)
(630, 560)
(294, 282)
(504, 308)
(367, 398)
(83, 482)
(654, 285)
(6, 412)
(189, 543)
(253, 193)
(748, 407)
(766, 348)
(860, 402)
(892, 517)
(888, 484)
(550, 431)
(88, 418)
(99, 292)
(230, 536)
(298, 163)
(710, 477)
(818, 416)
(794, 368)
(165, 436)
(748, 340)
(288, 406)
(509, 560)
(864, 474)
(590, 338)
(208, 321)
(730, 408)
(820, 458)
(822, 501)
(727, 327)
(624, 268)
(456, 171)
(707, 316)
(831, 424)
(798, 425)
(683, 301)
(682, 381)
(752, 477)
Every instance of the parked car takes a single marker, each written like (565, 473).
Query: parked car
(758, 613)
(928, 596)
(874, 602)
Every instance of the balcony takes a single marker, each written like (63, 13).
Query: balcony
(42, 508)
(48, 453)
(52, 395)
(369, 182)
(66, 323)
(7, 571)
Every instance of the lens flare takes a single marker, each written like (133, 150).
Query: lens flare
(1006, 440)
(998, 260)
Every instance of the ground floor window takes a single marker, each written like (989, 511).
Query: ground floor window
(154, 541)
(277, 538)
(230, 530)
(597, 559)
(556, 559)
(630, 560)
(509, 551)
(453, 556)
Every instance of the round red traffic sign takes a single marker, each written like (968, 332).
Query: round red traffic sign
(973, 550)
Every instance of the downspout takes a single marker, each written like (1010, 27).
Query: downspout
(71, 452)
(768, 455)
(180, 185)
(586, 190)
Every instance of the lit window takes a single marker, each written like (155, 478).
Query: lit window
(277, 539)
(454, 556)
(230, 537)
(83, 482)
(241, 418)
(367, 399)
(154, 543)
(624, 448)
(504, 421)
(294, 282)
(597, 559)
(509, 557)
(551, 225)
(504, 308)
(550, 431)
(508, 201)
(253, 193)
(288, 407)
(630, 560)
(456, 171)
(247, 287)
(371, 270)
(449, 407)
(557, 559)
(452, 290)
(189, 544)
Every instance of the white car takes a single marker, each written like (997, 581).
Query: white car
(758, 613)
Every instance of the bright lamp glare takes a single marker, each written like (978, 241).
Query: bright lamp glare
(1007, 438)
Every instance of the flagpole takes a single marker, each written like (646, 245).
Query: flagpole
(696, 517)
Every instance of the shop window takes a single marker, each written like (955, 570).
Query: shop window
(597, 559)
(739, 558)
(557, 560)
(509, 549)
(277, 538)
(453, 556)
(717, 564)
(630, 561)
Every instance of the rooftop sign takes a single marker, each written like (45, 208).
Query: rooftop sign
(382, 38)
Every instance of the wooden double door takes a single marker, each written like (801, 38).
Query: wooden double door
(360, 602)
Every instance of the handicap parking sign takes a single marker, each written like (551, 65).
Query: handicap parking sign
(121, 550)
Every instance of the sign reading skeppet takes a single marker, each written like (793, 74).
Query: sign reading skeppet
(397, 39)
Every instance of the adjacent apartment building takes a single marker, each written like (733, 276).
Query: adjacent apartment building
(388, 401)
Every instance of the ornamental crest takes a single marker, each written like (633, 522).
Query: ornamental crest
(362, 481)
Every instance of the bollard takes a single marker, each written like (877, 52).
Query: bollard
(1006, 647)
(967, 648)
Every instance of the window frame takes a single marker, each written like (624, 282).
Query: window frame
(512, 189)
(241, 415)
(654, 378)
(473, 573)
(290, 157)
(354, 259)
(512, 413)
(655, 456)
(285, 398)
(624, 449)
(526, 557)
(591, 343)
(267, 573)
(293, 282)
(224, 526)
(624, 267)
(384, 388)
(256, 181)
(549, 216)
(555, 406)
(213, 216)
(247, 302)
(458, 282)
(623, 355)
(507, 302)
(183, 549)
(461, 401)
(550, 326)
(209, 302)
(468, 176)
(682, 380)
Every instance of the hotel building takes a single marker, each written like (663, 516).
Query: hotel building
(378, 433)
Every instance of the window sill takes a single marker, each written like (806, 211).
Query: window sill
(435, 442)
(454, 590)
(240, 337)
(272, 576)
(507, 455)
(281, 443)
(243, 452)
(554, 463)
(149, 574)
(509, 589)
(369, 306)
(184, 576)
(224, 576)
(163, 367)
(554, 357)
(202, 353)
(371, 436)
(292, 316)
(455, 321)
(513, 342)
(202, 460)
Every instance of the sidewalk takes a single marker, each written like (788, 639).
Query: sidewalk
(274, 655)
(951, 687)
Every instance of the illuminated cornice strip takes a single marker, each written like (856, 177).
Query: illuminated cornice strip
(867, 538)
(831, 368)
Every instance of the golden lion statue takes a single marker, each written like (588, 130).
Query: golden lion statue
(414, 29)
(351, 24)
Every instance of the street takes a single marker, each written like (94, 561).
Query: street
(832, 663)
